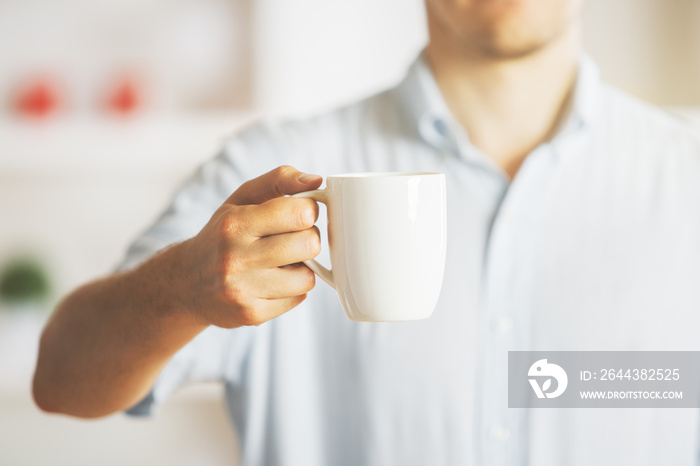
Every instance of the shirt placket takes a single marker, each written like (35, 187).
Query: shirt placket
(505, 308)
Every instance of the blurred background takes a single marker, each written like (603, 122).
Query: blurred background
(107, 105)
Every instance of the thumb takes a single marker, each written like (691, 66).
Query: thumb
(279, 182)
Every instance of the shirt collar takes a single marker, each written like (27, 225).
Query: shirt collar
(587, 92)
(426, 108)
(428, 111)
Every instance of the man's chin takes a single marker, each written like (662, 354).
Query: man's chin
(509, 48)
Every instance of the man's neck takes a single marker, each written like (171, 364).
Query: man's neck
(507, 106)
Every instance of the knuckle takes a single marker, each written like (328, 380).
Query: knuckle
(283, 170)
(233, 263)
(235, 294)
(303, 216)
(313, 242)
(314, 209)
(281, 174)
(309, 280)
(236, 221)
(237, 297)
(230, 224)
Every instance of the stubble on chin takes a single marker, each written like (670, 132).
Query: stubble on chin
(495, 33)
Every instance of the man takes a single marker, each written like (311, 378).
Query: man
(572, 225)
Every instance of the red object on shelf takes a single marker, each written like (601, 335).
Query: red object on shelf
(125, 97)
(37, 99)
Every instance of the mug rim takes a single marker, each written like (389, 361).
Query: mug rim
(369, 175)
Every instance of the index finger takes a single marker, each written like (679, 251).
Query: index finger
(282, 215)
(276, 183)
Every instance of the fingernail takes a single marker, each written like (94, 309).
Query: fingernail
(307, 178)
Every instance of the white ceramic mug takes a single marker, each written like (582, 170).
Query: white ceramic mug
(386, 233)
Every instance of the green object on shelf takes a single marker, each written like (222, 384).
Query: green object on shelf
(24, 281)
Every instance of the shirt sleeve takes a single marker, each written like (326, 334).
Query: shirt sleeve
(215, 354)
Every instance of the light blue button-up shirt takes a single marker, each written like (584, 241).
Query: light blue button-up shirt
(595, 245)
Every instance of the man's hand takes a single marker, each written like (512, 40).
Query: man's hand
(244, 267)
(107, 341)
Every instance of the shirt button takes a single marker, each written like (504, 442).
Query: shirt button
(499, 433)
(502, 324)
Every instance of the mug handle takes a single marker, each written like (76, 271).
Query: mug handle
(318, 195)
